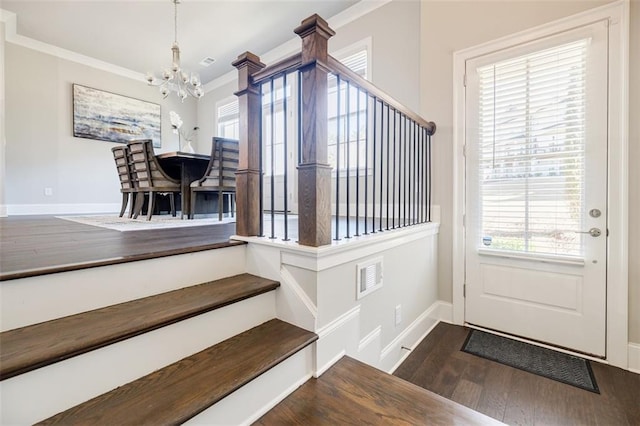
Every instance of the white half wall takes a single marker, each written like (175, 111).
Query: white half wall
(319, 292)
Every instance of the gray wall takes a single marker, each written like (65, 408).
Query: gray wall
(394, 70)
(448, 26)
(41, 150)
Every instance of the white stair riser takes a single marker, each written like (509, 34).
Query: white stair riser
(41, 393)
(257, 397)
(33, 300)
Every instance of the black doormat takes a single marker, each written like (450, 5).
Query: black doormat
(554, 365)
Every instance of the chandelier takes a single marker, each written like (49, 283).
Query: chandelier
(175, 78)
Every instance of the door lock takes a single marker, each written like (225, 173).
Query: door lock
(595, 213)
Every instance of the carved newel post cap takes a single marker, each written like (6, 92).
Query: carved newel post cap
(312, 24)
(248, 58)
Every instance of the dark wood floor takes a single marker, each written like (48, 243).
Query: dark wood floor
(516, 397)
(35, 245)
(353, 393)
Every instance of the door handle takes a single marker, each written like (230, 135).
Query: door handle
(594, 232)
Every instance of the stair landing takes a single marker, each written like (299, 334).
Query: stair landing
(351, 392)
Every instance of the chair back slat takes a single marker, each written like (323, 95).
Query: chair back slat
(221, 171)
(121, 157)
(145, 166)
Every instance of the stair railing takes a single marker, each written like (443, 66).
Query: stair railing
(363, 159)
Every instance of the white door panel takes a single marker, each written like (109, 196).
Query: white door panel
(536, 156)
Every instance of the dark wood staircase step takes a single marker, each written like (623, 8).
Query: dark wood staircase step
(176, 393)
(27, 348)
(351, 392)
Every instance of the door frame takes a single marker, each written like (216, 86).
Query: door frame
(618, 174)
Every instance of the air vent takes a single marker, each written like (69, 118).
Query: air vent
(369, 277)
(207, 60)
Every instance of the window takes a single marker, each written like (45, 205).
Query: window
(277, 136)
(531, 153)
(349, 128)
(228, 119)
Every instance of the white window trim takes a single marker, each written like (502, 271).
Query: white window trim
(365, 43)
(618, 203)
(353, 48)
(220, 103)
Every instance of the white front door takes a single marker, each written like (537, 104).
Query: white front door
(536, 190)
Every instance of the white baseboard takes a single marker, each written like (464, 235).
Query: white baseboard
(634, 357)
(87, 208)
(444, 311)
(3, 210)
(393, 354)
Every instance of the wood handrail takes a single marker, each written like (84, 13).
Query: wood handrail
(291, 63)
(345, 73)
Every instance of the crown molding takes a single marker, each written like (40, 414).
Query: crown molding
(356, 11)
(11, 36)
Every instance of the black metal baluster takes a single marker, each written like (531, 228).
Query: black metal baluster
(382, 156)
(358, 163)
(429, 174)
(393, 175)
(419, 171)
(416, 188)
(286, 154)
(366, 162)
(410, 174)
(410, 171)
(395, 167)
(373, 180)
(347, 114)
(337, 237)
(273, 162)
(261, 168)
(404, 171)
(419, 180)
(299, 118)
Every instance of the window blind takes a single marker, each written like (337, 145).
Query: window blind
(531, 151)
(357, 62)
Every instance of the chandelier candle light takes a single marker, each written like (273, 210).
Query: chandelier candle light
(175, 78)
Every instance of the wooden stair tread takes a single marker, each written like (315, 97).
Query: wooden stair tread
(181, 390)
(351, 392)
(27, 348)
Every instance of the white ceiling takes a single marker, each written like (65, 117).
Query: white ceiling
(138, 34)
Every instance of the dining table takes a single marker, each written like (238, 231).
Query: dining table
(187, 167)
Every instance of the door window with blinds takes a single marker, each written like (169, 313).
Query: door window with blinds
(531, 151)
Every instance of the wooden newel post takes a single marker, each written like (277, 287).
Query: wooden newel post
(314, 172)
(248, 173)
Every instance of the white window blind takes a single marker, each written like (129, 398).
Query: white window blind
(532, 151)
(357, 62)
(228, 120)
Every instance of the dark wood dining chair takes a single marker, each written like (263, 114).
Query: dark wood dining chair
(220, 176)
(127, 183)
(150, 178)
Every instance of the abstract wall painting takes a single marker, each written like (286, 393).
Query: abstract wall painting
(115, 118)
